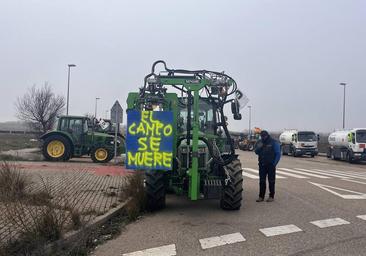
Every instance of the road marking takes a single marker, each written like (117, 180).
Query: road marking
(291, 174)
(329, 222)
(280, 230)
(362, 174)
(329, 173)
(348, 175)
(335, 173)
(256, 171)
(356, 195)
(302, 173)
(250, 175)
(166, 250)
(362, 217)
(221, 240)
(355, 181)
(311, 173)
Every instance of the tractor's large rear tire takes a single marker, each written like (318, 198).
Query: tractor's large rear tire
(56, 148)
(155, 190)
(231, 196)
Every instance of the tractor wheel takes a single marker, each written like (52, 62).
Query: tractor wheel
(56, 148)
(101, 155)
(251, 147)
(232, 192)
(155, 190)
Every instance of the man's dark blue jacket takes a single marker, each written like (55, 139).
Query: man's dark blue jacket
(269, 152)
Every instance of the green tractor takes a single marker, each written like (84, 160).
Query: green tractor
(76, 136)
(204, 162)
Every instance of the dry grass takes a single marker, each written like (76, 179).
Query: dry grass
(134, 190)
(37, 216)
(13, 182)
(42, 211)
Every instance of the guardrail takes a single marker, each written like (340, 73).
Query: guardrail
(18, 132)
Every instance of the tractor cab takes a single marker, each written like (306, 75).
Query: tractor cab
(76, 126)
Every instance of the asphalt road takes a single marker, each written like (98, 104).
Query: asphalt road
(328, 191)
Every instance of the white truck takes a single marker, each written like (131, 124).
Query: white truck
(349, 145)
(298, 143)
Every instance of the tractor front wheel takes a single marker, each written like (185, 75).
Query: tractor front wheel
(56, 148)
(155, 190)
(231, 196)
(101, 155)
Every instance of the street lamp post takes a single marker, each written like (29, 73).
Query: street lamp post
(96, 106)
(68, 87)
(344, 104)
(250, 121)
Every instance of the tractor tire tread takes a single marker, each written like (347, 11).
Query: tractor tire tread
(231, 197)
(155, 190)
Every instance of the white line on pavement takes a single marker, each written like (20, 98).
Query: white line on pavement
(363, 174)
(166, 250)
(256, 171)
(221, 240)
(280, 230)
(329, 222)
(362, 217)
(331, 173)
(353, 195)
(339, 174)
(292, 175)
(355, 181)
(347, 174)
(303, 173)
(250, 176)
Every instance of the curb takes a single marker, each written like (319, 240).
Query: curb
(97, 222)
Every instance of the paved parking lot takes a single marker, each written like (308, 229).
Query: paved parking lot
(319, 209)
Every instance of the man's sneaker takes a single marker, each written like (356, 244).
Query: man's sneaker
(260, 199)
(270, 199)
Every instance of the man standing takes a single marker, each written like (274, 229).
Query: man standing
(269, 154)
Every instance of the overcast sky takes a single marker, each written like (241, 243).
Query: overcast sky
(288, 57)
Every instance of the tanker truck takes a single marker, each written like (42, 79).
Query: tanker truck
(298, 143)
(347, 145)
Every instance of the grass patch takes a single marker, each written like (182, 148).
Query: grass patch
(37, 216)
(41, 216)
(13, 182)
(11, 141)
(134, 189)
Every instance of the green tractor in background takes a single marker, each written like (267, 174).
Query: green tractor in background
(76, 136)
(204, 165)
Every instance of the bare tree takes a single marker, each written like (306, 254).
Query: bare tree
(40, 107)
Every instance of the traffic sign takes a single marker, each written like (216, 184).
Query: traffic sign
(116, 113)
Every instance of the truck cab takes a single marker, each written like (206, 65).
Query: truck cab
(349, 145)
(298, 143)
